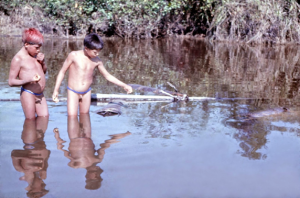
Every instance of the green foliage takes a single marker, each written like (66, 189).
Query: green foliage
(70, 14)
(7, 6)
(190, 17)
(235, 20)
(255, 21)
(139, 18)
(126, 18)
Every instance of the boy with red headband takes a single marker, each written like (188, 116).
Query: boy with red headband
(28, 71)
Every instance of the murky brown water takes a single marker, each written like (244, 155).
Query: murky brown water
(216, 148)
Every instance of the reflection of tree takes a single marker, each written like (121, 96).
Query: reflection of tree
(170, 120)
(259, 72)
(81, 151)
(33, 160)
(251, 133)
(204, 69)
(196, 67)
(252, 136)
(255, 119)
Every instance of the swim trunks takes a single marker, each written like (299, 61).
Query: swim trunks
(22, 89)
(78, 92)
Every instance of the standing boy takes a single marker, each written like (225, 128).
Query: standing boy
(81, 65)
(28, 71)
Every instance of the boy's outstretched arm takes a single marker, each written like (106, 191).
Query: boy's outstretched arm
(14, 73)
(113, 79)
(61, 75)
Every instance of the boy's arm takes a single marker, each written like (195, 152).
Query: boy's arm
(44, 66)
(113, 79)
(40, 58)
(60, 142)
(61, 75)
(14, 73)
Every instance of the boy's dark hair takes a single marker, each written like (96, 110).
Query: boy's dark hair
(93, 41)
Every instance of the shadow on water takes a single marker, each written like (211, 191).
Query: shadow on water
(33, 159)
(81, 151)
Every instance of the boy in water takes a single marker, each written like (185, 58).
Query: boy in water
(28, 71)
(81, 65)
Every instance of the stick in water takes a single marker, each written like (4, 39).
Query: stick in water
(161, 91)
(171, 85)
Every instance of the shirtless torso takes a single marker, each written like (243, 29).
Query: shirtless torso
(81, 65)
(29, 67)
(81, 71)
(28, 70)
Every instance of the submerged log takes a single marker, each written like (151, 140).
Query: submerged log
(266, 113)
(111, 109)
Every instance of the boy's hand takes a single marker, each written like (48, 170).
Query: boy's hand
(40, 57)
(36, 78)
(128, 89)
(55, 97)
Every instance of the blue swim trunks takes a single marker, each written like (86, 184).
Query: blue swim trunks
(22, 89)
(78, 92)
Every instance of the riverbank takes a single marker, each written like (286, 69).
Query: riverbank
(17, 33)
(247, 21)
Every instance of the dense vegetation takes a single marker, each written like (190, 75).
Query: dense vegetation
(252, 21)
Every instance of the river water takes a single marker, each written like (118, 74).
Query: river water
(244, 144)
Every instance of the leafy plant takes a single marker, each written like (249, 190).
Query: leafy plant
(251, 21)
(255, 21)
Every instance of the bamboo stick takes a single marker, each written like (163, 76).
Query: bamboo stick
(104, 97)
(129, 97)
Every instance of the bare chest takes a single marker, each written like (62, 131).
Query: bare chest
(31, 64)
(83, 67)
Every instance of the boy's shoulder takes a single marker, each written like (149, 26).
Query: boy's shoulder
(76, 53)
(19, 57)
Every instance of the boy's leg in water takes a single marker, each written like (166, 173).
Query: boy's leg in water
(73, 126)
(41, 106)
(73, 100)
(84, 119)
(28, 104)
(85, 103)
(42, 123)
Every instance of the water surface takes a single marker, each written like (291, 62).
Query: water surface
(240, 145)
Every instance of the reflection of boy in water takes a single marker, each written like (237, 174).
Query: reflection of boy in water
(33, 160)
(82, 148)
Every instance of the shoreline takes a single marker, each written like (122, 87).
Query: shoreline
(198, 37)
